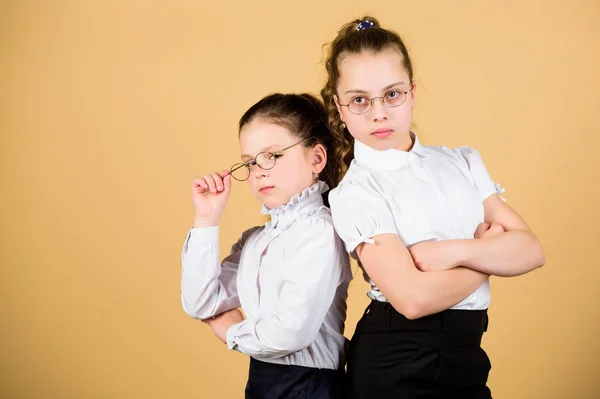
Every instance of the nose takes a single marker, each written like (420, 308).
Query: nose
(259, 173)
(379, 110)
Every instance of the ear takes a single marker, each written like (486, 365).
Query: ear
(413, 95)
(339, 108)
(319, 158)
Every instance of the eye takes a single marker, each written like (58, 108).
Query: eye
(275, 155)
(392, 94)
(359, 100)
(250, 164)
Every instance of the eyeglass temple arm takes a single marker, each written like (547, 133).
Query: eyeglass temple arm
(236, 168)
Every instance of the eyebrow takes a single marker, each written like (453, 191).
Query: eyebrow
(264, 149)
(385, 88)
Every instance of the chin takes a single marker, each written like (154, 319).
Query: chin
(382, 144)
(272, 203)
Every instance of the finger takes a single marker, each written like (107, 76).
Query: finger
(211, 183)
(224, 173)
(482, 228)
(218, 181)
(199, 182)
(485, 226)
(227, 182)
(496, 228)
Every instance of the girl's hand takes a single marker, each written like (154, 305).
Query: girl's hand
(434, 255)
(445, 255)
(487, 230)
(210, 194)
(221, 323)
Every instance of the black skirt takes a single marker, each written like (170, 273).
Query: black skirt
(280, 381)
(437, 356)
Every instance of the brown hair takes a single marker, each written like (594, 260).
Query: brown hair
(351, 40)
(305, 117)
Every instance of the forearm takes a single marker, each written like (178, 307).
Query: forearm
(410, 291)
(221, 323)
(508, 254)
(268, 338)
(203, 294)
(424, 293)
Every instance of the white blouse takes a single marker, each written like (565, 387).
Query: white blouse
(290, 277)
(427, 193)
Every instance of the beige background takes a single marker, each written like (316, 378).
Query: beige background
(108, 109)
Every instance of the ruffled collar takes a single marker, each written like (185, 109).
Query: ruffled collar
(300, 205)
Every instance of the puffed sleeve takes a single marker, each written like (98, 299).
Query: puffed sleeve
(359, 213)
(483, 183)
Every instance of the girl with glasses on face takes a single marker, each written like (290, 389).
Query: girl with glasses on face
(289, 276)
(408, 213)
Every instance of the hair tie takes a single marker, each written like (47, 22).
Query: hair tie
(366, 24)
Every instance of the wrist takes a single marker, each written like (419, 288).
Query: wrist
(203, 221)
(462, 251)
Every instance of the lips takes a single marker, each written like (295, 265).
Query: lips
(382, 133)
(266, 189)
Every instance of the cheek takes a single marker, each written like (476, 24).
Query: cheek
(251, 183)
(296, 171)
(401, 116)
(357, 125)
(407, 114)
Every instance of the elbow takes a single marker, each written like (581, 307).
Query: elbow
(286, 344)
(195, 313)
(414, 312)
(195, 310)
(538, 255)
(540, 260)
(411, 307)
(294, 343)
(302, 342)
(532, 258)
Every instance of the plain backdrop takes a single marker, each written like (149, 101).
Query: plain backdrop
(108, 109)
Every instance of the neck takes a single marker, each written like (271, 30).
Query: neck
(406, 142)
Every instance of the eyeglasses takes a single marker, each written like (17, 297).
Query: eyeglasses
(264, 160)
(361, 105)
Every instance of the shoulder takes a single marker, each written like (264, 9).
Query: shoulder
(357, 184)
(249, 233)
(454, 154)
(319, 222)
(462, 156)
